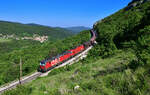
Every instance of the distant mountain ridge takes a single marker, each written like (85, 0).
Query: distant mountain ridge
(34, 24)
(29, 30)
(77, 29)
(74, 29)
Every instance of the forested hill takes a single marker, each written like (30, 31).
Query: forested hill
(129, 27)
(27, 30)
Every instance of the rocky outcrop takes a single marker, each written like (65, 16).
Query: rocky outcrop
(135, 3)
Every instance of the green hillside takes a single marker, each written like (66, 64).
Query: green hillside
(22, 30)
(125, 30)
(118, 65)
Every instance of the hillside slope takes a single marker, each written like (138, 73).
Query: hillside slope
(87, 77)
(118, 65)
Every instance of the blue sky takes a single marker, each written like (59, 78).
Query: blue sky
(63, 13)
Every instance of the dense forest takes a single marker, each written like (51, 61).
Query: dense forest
(118, 65)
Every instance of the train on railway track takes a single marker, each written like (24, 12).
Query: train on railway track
(50, 63)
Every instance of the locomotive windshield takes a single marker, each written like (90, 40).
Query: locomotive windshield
(42, 63)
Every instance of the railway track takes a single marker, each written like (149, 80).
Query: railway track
(15, 83)
(39, 74)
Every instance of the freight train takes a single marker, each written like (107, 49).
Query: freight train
(47, 64)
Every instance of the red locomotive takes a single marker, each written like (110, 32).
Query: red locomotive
(48, 64)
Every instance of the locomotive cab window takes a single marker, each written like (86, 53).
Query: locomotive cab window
(69, 51)
(42, 63)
